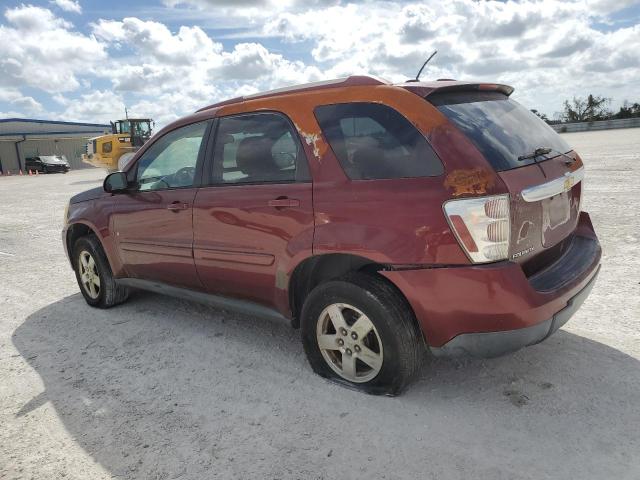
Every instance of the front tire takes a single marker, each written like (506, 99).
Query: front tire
(94, 276)
(359, 331)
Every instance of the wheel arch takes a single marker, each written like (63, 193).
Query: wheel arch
(318, 269)
(78, 230)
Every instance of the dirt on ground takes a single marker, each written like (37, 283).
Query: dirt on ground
(160, 388)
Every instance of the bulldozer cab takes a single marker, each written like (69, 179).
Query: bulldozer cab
(127, 137)
(139, 129)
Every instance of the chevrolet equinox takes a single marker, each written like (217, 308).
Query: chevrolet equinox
(383, 220)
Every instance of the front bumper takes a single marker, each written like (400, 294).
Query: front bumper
(487, 310)
(57, 168)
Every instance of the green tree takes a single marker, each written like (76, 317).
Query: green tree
(587, 109)
(628, 110)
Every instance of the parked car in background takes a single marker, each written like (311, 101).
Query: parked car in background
(47, 164)
(384, 220)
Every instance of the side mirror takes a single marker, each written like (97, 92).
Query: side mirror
(115, 182)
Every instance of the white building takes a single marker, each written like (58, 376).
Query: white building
(22, 138)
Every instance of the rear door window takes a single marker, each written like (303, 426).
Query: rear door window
(374, 141)
(258, 148)
(500, 128)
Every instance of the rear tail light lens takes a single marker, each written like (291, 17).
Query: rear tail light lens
(498, 231)
(482, 226)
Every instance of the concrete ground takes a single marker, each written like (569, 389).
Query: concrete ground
(160, 388)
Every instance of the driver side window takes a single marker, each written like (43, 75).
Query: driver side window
(171, 160)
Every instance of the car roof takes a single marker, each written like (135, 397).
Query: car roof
(352, 81)
(422, 89)
(425, 88)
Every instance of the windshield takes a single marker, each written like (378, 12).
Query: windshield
(141, 129)
(122, 126)
(500, 128)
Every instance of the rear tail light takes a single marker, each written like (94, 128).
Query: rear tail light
(482, 226)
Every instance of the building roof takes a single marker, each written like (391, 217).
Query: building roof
(20, 128)
(53, 122)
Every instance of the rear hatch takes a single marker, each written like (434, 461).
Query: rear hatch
(542, 173)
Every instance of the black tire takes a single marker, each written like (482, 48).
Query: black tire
(391, 316)
(45, 170)
(109, 292)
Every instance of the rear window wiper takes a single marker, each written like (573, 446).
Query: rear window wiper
(538, 152)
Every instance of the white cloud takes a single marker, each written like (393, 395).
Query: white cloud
(549, 50)
(185, 70)
(251, 61)
(40, 50)
(97, 106)
(537, 46)
(16, 99)
(68, 5)
(253, 7)
(154, 40)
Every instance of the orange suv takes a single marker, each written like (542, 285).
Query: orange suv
(383, 220)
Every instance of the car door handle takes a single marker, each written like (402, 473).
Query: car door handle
(284, 202)
(175, 206)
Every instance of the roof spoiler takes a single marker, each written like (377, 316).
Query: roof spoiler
(447, 86)
(486, 87)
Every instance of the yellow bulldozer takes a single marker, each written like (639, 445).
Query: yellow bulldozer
(112, 151)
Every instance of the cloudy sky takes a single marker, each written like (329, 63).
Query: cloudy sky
(85, 60)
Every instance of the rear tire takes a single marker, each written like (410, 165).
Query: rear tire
(94, 276)
(359, 331)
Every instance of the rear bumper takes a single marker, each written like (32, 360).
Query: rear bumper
(494, 344)
(488, 310)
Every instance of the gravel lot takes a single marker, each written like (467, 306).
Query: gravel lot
(161, 388)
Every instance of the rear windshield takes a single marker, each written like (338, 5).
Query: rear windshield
(500, 128)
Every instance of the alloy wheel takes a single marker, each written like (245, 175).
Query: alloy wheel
(349, 343)
(89, 274)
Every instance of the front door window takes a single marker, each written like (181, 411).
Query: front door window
(171, 161)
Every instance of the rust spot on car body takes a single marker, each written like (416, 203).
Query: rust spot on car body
(474, 181)
(312, 140)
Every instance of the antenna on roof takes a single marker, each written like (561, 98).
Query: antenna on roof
(417, 79)
(126, 114)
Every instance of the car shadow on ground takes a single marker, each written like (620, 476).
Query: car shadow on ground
(161, 388)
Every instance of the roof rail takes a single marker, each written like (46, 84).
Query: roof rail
(352, 81)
